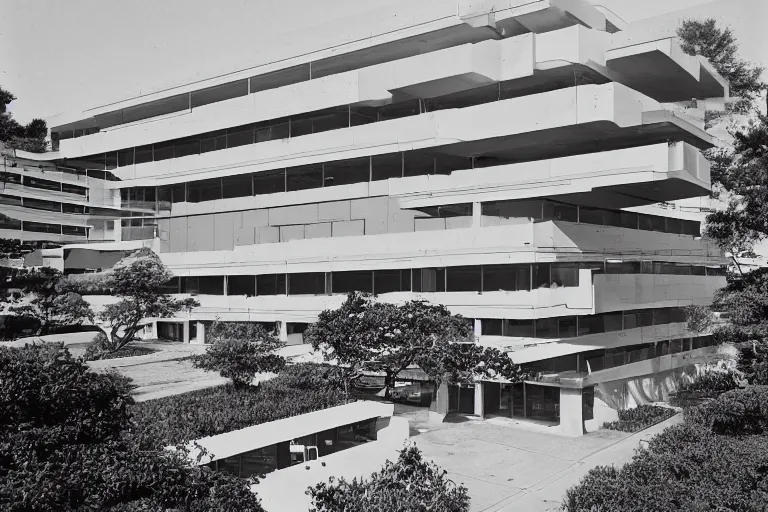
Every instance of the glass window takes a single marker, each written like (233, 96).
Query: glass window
(213, 141)
(446, 164)
(73, 208)
(74, 189)
(163, 151)
(306, 283)
(400, 109)
(186, 147)
(542, 275)
(387, 166)
(506, 277)
(110, 160)
(211, 285)
(567, 327)
(629, 220)
(565, 274)
(219, 93)
(677, 315)
(589, 215)
(491, 326)
(263, 132)
(428, 280)
(464, 279)
(345, 172)
(566, 212)
(418, 164)
(330, 119)
(513, 209)
(7, 177)
(279, 129)
(42, 184)
(622, 267)
(546, 328)
(386, 281)
(518, 328)
(258, 462)
(270, 284)
(269, 182)
(143, 154)
(674, 225)
(691, 227)
(304, 177)
(237, 186)
(74, 230)
(661, 316)
(42, 227)
(205, 190)
(351, 281)
(356, 434)
(363, 115)
(39, 204)
(239, 136)
(241, 285)
(301, 125)
(280, 78)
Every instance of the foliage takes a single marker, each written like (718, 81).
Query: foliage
(40, 298)
(711, 383)
(65, 445)
(736, 412)
(366, 334)
(640, 418)
(99, 349)
(213, 411)
(138, 279)
(239, 351)
(720, 47)
(27, 138)
(409, 485)
(699, 319)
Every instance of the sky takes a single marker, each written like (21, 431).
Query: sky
(63, 55)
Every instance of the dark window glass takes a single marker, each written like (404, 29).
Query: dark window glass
(74, 189)
(491, 326)
(542, 277)
(567, 327)
(629, 220)
(677, 315)
(219, 93)
(280, 78)
(398, 110)
(241, 285)
(304, 177)
(387, 166)
(179, 193)
(163, 151)
(156, 108)
(513, 209)
(42, 227)
(344, 172)
(237, 186)
(612, 218)
(279, 129)
(622, 267)
(306, 283)
(9, 223)
(546, 328)
(363, 115)
(417, 164)
(698, 270)
(385, 281)
(296, 327)
(674, 225)
(186, 147)
(691, 227)
(73, 208)
(351, 281)
(213, 141)
(661, 316)
(239, 136)
(446, 164)
(506, 277)
(675, 346)
(301, 125)
(565, 274)
(330, 119)
(591, 324)
(464, 279)
(269, 182)
(270, 284)
(591, 216)
(39, 204)
(7, 177)
(356, 434)
(258, 462)
(74, 230)
(42, 184)
(428, 280)
(143, 154)
(205, 190)
(263, 132)
(111, 160)
(518, 328)
(566, 212)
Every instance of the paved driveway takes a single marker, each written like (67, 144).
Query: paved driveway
(511, 469)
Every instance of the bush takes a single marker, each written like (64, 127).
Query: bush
(99, 349)
(410, 484)
(213, 411)
(714, 381)
(737, 412)
(640, 418)
(241, 359)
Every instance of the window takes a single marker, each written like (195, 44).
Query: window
(386, 281)
(629, 220)
(677, 315)
(446, 164)
(463, 279)
(219, 93)
(39, 204)
(351, 281)
(73, 208)
(143, 154)
(213, 141)
(308, 283)
(239, 136)
(428, 280)
(661, 316)
(622, 267)
(241, 285)
(205, 190)
(400, 109)
(565, 274)
(506, 277)
(163, 151)
(42, 227)
(518, 328)
(345, 172)
(270, 284)
(329, 119)
(74, 189)
(356, 434)
(491, 327)
(418, 164)
(269, 182)
(74, 230)
(546, 328)
(186, 147)
(304, 177)
(258, 462)
(363, 115)
(9, 223)
(42, 184)
(387, 166)
(591, 216)
(10, 200)
(237, 186)
(542, 275)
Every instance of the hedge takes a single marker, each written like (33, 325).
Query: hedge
(299, 389)
(640, 418)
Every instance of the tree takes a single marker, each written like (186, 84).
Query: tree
(43, 300)
(26, 138)
(66, 444)
(138, 279)
(720, 47)
(239, 351)
(364, 334)
(410, 484)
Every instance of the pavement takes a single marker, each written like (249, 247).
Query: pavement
(508, 468)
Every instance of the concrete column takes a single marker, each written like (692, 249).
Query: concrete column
(282, 332)
(154, 333)
(200, 333)
(185, 331)
(118, 231)
(571, 421)
(478, 328)
(479, 396)
(476, 215)
(438, 409)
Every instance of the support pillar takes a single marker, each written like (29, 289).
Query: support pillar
(200, 333)
(478, 328)
(282, 332)
(185, 331)
(571, 420)
(477, 215)
(438, 409)
(154, 335)
(479, 399)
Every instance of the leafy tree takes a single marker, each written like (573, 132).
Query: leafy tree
(43, 300)
(411, 484)
(720, 47)
(138, 279)
(66, 444)
(27, 138)
(239, 351)
(388, 338)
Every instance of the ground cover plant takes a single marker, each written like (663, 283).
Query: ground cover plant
(640, 418)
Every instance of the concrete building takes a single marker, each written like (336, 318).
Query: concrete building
(490, 158)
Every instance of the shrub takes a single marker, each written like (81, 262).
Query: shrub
(213, 411)
(241, 359)
(736, 412)
(714, 381)
(99, 349)
(640, 418)
(410, 484)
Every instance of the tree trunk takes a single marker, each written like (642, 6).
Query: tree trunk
(389, 383)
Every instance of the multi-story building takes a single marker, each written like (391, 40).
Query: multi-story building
(486, 158)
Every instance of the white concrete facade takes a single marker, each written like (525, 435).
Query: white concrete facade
(490, 158)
